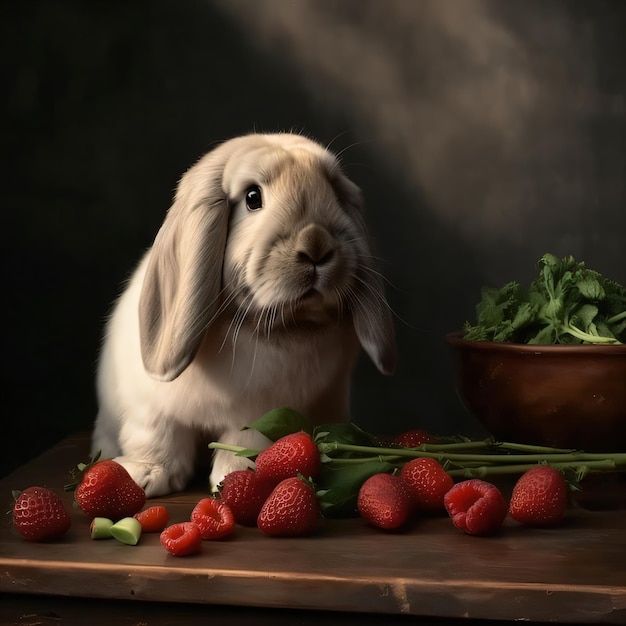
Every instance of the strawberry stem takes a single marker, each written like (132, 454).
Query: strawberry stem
(216, 445)
(460, 460)
(76, 473)
(349, 455)
(441, 453)
(488, 444)
(491, 470)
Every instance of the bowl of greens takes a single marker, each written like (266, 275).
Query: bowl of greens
(545, 363)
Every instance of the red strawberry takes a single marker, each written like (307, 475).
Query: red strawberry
(106, 489)
(428, 483)
(292, 509)
(39, 514)
(182, 539)
(214, 518)
(153, 520)
(287, 457)
(476, 506)
(414, 438)
(385, 501)
(245, 494)
(539, 497)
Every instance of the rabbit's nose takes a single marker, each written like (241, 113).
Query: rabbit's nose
(315, 245)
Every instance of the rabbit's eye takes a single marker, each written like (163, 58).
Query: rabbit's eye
(254, 201)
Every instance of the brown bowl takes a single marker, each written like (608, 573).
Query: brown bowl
(566, 396)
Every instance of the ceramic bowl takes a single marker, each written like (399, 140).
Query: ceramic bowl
(566, 396)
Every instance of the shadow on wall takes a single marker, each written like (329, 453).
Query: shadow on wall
(482, 134)
(501, 113)
(501, 126)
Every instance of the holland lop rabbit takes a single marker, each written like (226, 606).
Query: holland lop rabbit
(256, 294)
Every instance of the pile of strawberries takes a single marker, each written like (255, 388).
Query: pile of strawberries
(279, 498)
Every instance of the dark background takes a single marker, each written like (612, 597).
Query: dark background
(483, 134)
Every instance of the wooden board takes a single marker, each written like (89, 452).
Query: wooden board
(574, 574)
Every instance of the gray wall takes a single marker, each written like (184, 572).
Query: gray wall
(483, 134)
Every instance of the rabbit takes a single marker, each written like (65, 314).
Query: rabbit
(258, 292)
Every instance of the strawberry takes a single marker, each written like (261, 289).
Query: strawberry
(476, 506)
(292, 509)
(214, 518)
(39, 514)
(384, 501)
(428, 483)
(106, 489)
(539, 497)
(153, 519)
(181, 539)
(245, 494)
(414, 438)
(287, 457)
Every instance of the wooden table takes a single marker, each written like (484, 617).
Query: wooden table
(574, 574)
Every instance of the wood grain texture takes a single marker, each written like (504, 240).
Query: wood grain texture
(574, 574)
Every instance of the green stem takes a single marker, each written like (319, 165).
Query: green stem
(396, 461)
(393, 459)
(525, 447)
(216, 445)
(579, 334)
(580, 457)
(467, 465)
(616, 318)
(484, 470)
(489, 445)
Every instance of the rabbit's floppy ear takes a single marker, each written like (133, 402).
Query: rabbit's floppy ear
(183, 278)
(372, 317)
(374, 326)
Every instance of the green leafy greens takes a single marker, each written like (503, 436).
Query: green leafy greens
(566, 304)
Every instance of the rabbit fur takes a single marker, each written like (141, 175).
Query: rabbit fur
(257, 293)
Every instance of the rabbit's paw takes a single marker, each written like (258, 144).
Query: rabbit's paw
(224, 463)
(153, 478)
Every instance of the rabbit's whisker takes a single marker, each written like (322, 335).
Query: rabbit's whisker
(378, 274)
(376, 293)
(223, 306)
(237, 322)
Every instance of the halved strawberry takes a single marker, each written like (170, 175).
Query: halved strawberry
(182, 539)
(153, 519)
(214, 518)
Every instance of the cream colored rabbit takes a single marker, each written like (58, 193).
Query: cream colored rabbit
(256, 294)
